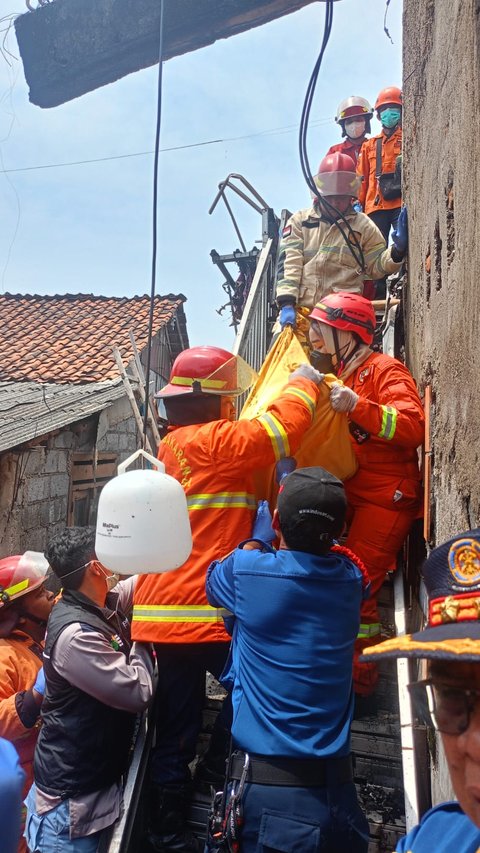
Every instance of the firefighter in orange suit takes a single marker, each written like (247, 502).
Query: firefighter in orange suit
(353, 116)
(379, 156)
(214, 459)
(387, 425)
(25, 606)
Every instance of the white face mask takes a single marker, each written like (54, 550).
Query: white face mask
(355, 128)
(111, 581)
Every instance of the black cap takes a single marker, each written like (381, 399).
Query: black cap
(314, 499)
(452, 580)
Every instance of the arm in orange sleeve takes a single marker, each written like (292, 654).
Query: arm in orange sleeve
(251, 444)
(363, 169)
(18, 710)
(392, 409)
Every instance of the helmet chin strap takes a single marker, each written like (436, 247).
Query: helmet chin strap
(341, 357)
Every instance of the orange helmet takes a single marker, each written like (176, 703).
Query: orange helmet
(337, 175)
(390, 95)
(352, 107)
(348, 311)
(211, 370)
(20, 575)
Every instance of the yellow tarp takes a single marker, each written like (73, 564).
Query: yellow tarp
(326, 443)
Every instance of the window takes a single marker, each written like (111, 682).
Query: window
(86, 483)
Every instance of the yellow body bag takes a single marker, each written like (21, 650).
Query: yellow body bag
(326, 443)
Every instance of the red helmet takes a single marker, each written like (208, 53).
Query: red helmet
(21, 574)
(390, 95)
(352, 107)
(348, 311)
(337, 175)
(212, 369)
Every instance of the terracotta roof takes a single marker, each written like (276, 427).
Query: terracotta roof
(69, 339)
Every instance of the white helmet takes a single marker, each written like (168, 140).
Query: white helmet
(353, 106)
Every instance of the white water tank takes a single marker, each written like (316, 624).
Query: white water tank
(142, 521)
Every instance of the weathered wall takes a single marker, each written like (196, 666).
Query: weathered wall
(442, 182)
(35, 481)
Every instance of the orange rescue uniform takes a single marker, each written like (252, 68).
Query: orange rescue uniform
(20, 661)
(215, 463)
(384, 496)
(369, 194)
(346, 147)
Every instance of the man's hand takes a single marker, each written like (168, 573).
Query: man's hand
(343, 399)
(306, 371)
(284, 467)
(400, 234)
(262, 526)
(287, 316)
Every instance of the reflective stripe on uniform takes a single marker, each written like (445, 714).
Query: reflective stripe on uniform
(297, 392)
(178, 613)
(221, 500)
(389, 422)
(368, 630)
(278, 436)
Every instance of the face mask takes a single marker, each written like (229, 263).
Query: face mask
(390, 117)
(111, 581)
(355, 129)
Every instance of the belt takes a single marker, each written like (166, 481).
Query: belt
(292, 772)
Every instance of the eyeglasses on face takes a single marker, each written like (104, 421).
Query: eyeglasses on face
(444, 706)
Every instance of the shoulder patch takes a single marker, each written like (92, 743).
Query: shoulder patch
(363, 375)
(287, 231)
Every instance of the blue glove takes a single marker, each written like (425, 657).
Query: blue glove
(400, 235)
(284, 466)
(262, 526)
(357, 207)
(39, 685)
(287, 316)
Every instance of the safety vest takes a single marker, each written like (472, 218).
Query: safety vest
(215, 463)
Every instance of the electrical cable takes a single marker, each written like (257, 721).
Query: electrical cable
(154, 222)
(331, 212)
(274, 131)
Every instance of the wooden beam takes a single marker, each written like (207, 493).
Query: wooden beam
(71, 47)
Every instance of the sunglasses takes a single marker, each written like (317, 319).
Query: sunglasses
(445, 707)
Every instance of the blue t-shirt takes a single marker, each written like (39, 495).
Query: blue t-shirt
(11, 783)
(443, 829)
(296, 620)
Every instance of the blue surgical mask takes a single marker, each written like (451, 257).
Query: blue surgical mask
(390, 117)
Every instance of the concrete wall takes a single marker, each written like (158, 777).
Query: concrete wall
(35, 481)
(442, 184)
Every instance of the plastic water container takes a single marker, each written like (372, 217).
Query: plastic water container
(142, 521)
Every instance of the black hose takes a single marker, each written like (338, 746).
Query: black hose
(154, 223)
(325, 206)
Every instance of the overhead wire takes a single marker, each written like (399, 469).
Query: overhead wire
(268, 132)
(154, 222)
(329, 209)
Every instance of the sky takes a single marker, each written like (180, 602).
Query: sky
(88, 228)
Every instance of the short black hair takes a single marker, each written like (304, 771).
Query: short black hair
(70, 550)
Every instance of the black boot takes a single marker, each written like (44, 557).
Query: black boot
(167, 831)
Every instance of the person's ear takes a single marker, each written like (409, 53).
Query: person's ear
(276, 522)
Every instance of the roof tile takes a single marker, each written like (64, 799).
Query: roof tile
(69, 338)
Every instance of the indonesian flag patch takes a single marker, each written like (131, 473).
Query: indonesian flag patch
(287, 231)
